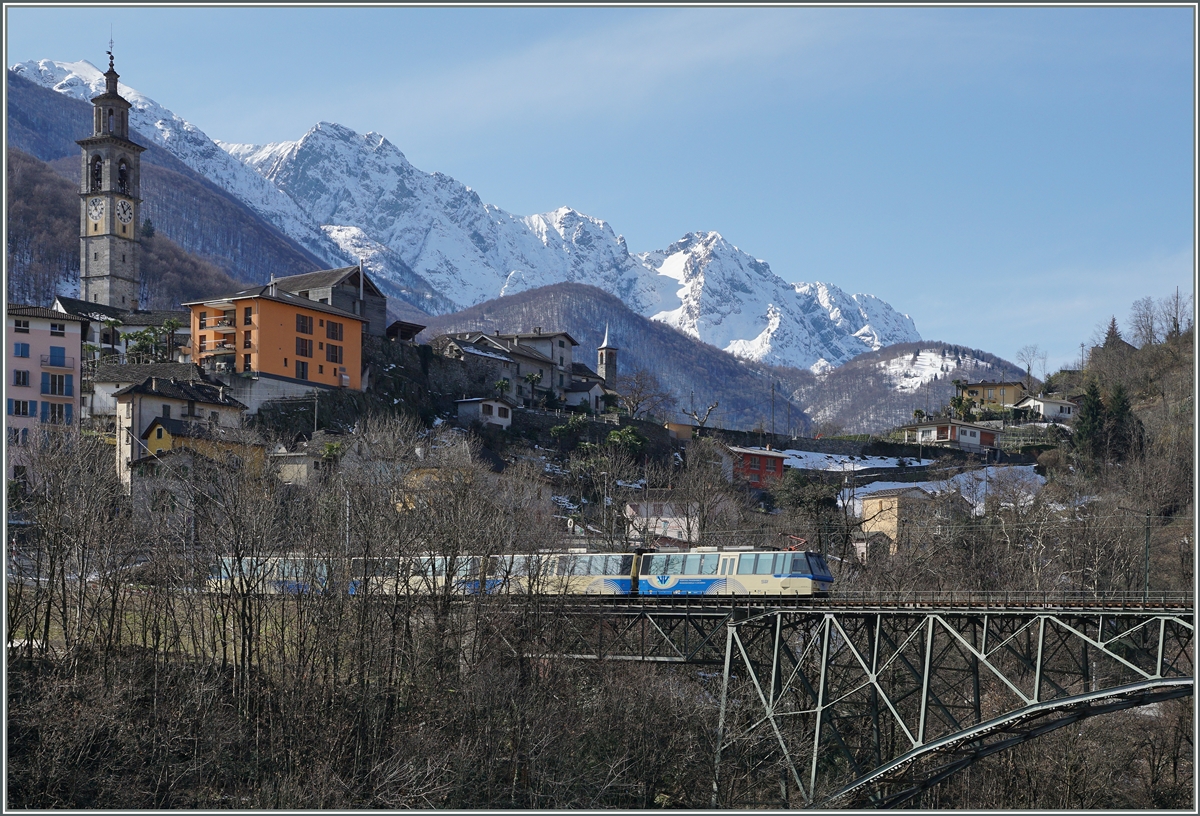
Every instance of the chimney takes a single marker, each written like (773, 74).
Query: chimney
(271, 286)
(360, 279)
(154, 383)
(537, 329)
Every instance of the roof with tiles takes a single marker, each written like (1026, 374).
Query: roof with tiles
(323, 278)
(133, 373)
(15, 310)
(193, 429)
(98, 312)
(185, 390)
(265, 292)
(918, 492)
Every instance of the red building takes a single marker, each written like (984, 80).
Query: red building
(757, 465)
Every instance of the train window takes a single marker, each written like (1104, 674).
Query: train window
(565, 563)
(765, 564)
(625, 566)
(691, 565)
(746, 564)
(800, 564)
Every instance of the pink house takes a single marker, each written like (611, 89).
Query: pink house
(42, 364)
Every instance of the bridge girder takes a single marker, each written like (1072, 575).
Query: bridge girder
(869, 707)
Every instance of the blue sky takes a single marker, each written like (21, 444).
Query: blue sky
(1004, 175)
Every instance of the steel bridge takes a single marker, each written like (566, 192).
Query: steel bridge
(864, 701)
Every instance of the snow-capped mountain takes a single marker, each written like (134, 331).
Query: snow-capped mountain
(344, 195)
(82, 80)
(702, 284)
(719, 294)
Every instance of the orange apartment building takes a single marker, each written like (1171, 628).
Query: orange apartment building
(267, 332)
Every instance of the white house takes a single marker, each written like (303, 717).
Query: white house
(1052, 410)
(489, 411)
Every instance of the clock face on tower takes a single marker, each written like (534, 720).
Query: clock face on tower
(95, 208)
(124, 211)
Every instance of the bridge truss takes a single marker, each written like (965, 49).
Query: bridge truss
(860, 703)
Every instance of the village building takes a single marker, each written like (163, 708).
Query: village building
(42, 362)
(758, 466)
(265, 342)
(98, 403)
(184, 404)
(486, 411)
(988, 394)
(1048, 409)
(953, 433)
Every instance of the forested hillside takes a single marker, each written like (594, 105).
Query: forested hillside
(199, 216)
(43, 245)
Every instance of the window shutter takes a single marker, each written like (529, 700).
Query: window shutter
(45, 411)
(10, 407)
(67, 412)
(33, 407)
(70, 387)
(45, 382)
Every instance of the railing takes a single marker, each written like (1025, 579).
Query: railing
(51, 361)
(608, 419)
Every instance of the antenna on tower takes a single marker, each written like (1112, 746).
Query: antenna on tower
(110, 46)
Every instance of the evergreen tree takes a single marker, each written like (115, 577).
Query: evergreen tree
(1121, 426)
(1113, 335)
(1089, 426)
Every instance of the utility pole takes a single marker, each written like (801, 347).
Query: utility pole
(1146, 586)
(315, 392)
(772, 410)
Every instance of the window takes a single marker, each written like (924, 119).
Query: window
(21, 378)
(245, 362)
(22, 407)
(304, 324)
(21, 326)
(14, 436)
(158, 433)
(166, 411)
(58, 329)
(561, 344)
(285, 362)
(754, 463)
(203, 342)
(57, 413)
(57, 385)
(320, 369)
(246, 340)
(20, 349)
(204, 320)
(502, 412)
(304, 348)
(487, 409)
(213, 416)
(247, 316)
(333, 354)
(560, 360)
(301, 370)
(333, 330)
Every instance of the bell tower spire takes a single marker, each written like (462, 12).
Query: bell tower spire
(109, 197)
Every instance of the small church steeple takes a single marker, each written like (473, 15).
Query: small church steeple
(606, 365)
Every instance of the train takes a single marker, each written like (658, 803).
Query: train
(643, 573)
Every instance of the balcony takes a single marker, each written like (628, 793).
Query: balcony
(53, 361)
(218, 348)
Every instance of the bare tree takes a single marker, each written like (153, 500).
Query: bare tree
(1027, 356)
(641, 394)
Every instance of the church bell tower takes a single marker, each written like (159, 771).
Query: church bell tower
(606, 361)
(110, 203)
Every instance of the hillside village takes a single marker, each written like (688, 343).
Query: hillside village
(163, 457)
(273, 376)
